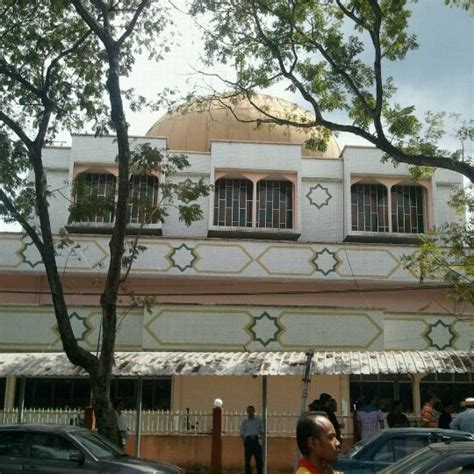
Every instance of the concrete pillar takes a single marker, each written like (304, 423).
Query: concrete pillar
(216, 447)
(415, 390)
(89, 418)
(10, 387)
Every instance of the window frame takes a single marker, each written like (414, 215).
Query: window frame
(254, 231)
(91, 227)
(390, 235)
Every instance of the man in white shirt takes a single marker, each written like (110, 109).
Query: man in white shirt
(465, 420)
(122, 422)
(251, 430)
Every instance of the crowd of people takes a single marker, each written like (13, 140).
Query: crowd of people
(318, 440)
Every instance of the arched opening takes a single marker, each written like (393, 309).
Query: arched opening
(408, 209)
(94, 198)
(369, 207)
(233, 202)
(275, 204)
(143, 200)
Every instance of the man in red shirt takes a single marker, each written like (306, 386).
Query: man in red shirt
(318, 444)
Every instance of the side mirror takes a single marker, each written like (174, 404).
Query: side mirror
(77, 456)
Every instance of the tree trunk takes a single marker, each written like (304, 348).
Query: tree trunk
(104, 411)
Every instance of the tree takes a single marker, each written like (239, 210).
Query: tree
(56, 64)
(447, 253)
(304, 43)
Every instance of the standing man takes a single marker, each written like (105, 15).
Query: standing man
(370, 418)
(251, 431)
(396, 418)
(122, 423)
(326, 405)
(465, 420)
(318, 444)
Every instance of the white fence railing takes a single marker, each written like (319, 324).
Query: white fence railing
(171, 422)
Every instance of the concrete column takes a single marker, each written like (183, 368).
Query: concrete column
(415, 390)
(9, 392)
(216, 448)
(89, 418)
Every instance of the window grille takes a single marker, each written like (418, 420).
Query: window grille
(143, 200)
(407, 209)
(95, 197)
(233, 202)
(369, 208)
(275, 204)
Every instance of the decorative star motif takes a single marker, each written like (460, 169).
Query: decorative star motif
(26, 252)
(325, 261)
(183, 257)
(440, 335)
(319, 196)
(265, 329)
(79, 323)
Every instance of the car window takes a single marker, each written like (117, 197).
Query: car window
(11, 444)
(399, 447)
(97, 445)
(404, 446)
(50, 446)
(459, 466)
(384, 453)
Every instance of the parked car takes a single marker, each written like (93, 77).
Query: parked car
(68, 449)
(388, 446)
(437, 458)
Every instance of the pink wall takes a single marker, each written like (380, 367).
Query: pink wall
(194, 452)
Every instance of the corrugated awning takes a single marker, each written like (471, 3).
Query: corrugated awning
(154, 364)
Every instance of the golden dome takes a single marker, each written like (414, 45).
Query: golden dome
(192, 128)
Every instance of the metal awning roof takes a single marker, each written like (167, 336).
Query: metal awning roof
(154, 364)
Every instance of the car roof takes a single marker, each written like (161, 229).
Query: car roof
(456, 446)
(41, 427)
(405, 431)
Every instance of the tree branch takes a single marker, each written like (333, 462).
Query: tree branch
(17, 129)
(92, 22)
(8, 71)
(128, 31)
(22, 221)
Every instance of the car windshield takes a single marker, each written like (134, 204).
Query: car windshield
(351, 452)
(97, 445)
(417, 463)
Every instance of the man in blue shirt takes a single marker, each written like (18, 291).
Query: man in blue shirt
(251, 430)
(465, 420)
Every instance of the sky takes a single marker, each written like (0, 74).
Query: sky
(436, 77)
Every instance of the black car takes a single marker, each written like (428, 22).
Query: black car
(389, 446)
(68, 449)
(437, 458)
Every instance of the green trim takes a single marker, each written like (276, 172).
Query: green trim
(312, 202)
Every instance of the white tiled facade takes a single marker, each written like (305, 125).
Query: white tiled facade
(300, 288)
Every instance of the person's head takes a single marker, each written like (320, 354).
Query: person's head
(333, 405)
(431, 399)
(469, 403)
(397, 406)
(325, 399)
(371, 398)
(251, 411)
(316, 438)
(448, 407)
(118, 405)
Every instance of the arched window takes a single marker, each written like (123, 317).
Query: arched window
(369, 207)
(407, 209)
(143, 200)
(94, 198)
(233, 202)
(275, 204)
